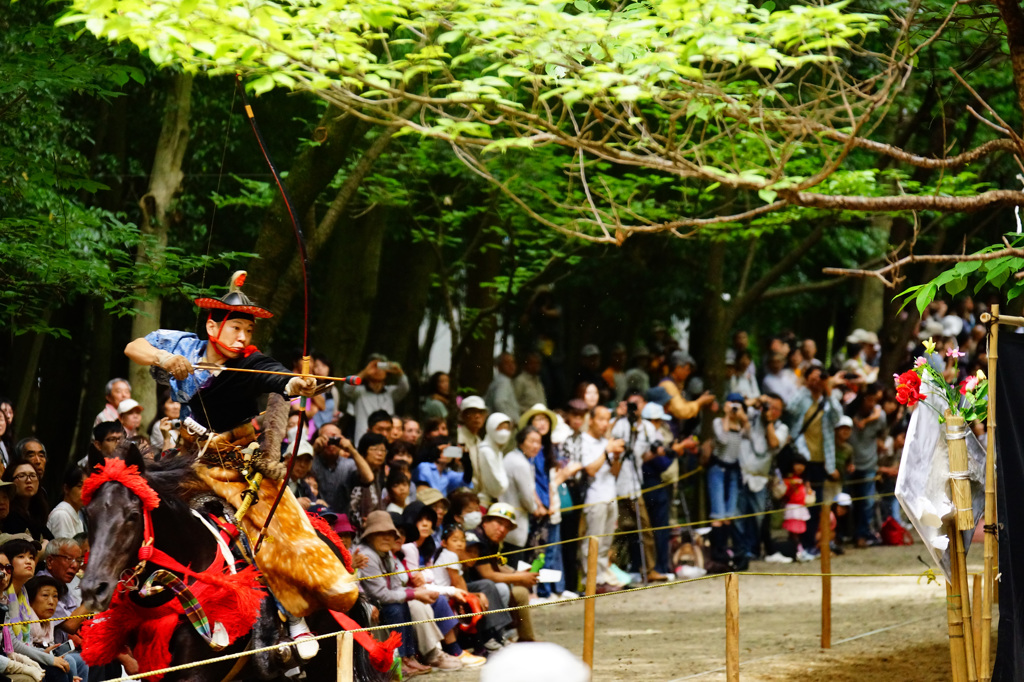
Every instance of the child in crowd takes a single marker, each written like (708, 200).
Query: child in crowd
(798, 495)
(397, 490)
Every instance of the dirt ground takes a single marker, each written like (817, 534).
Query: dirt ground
(883, 629)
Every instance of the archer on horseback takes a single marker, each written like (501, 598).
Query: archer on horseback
(303, 573)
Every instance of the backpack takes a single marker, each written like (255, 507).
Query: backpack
(894, 534)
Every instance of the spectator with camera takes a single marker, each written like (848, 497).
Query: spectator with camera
(680, 367)
(373, 394)
(642, 445)
(869, 426)
(338, 467)
(602, 460)
(767, 436)
(730, 430)
(813, 414)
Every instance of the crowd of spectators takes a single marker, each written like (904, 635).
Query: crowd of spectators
(428, 495)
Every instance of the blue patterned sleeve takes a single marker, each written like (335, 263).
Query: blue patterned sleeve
(188, 345)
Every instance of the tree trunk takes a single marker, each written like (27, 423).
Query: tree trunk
(164, 185)
(344, 321)
(27, 403)
(473, 352)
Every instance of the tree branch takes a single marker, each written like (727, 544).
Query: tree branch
(805, 288)
(759, 287)
(907, 202)
(926, 258)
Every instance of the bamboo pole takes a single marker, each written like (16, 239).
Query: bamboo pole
(956, 634)
(346, 667)
(975, 619)
(826, 580)
(590, 605)
(732, 627)
(960, 494)
(988, 581)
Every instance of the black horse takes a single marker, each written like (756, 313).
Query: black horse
(116, 532)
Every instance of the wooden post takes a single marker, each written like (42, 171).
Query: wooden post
(732, 627)
(991, 540)
(956, 635)
(346, 667)
(590, 605)
(826, 580)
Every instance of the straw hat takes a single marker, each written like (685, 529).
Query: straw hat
(378, 522)
(429, 496)
(539, 408)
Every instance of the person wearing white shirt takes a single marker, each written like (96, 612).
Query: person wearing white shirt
(373, 394)
(65, 521)
(638, 435)
(602, 460)
(766, 438)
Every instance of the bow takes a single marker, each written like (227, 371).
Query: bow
(304, 262)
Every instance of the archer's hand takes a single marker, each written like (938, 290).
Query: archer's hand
(305, 386)
(177, 365)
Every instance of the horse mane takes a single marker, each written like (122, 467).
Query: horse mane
(174, 479)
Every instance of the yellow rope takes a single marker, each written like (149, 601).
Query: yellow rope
(375, 628)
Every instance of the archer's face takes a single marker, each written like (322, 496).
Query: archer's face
(235, 335)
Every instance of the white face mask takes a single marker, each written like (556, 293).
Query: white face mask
(501, 437)
(471, 520)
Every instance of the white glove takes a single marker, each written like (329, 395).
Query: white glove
(30, 668)
(301, 386)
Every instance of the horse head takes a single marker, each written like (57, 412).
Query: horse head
(116, 525)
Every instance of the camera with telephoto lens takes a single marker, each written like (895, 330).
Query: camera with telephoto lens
(631, 412)
(335, 440)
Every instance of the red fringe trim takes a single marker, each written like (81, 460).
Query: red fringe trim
(116, 471)
(232, 600)
(325, 529)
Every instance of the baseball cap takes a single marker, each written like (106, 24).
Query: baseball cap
(653, 411)
(844, 421)
(128, 405)
(679, 358)
(844, 499)
(473, 402)
(734, 398)
(502, 510)
(590, 350)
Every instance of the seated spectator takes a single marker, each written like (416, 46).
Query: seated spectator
(369, 497)
(438, 401)
(400, 601)
(116, 390)
(129, 413)
(21, 555)
(29, 509)
(33, 451)
(514, 585)
(397, 490)
(62, 560)
(65, 521)
(373, 394)
(44, 593)
(464, 510)
(447, 572)
(162, 434)
(411, 431)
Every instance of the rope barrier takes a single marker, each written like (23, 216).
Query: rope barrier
(581, 598)
(688, 524)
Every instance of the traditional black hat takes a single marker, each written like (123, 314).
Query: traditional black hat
(234, 301)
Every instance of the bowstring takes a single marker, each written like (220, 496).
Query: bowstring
(213, 220)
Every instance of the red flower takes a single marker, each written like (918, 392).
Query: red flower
(908, 396)
(911, 379)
